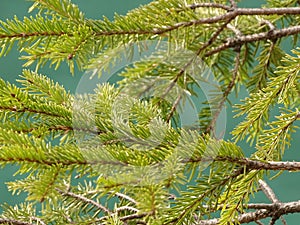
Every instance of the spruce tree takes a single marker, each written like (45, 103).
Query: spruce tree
(150, 149)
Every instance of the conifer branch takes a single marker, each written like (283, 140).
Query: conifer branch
(183, 69)
(233, 4)
(271, 195)
(226, 92)
(268, 206)
(274, 209)
(50, 185)
(173, 108)
(268, 23)
(126, 208)
(55, 128)
(240, 40)
(197, 201)
(92, 34)
(123, 196)
(85, 200)
(52, 163)
(215, 19)
(28, 110)
(251, 164)
(14, 222)
(227, 37)
(214, 36)
(39, 220)
(268, 191)
(25, 35)
(209, 5)
(134, 216)
(64, 8)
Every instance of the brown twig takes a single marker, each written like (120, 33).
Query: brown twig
(28, 110)
(258, 222)
(226, 93)
(268, 23)
(267, 190)
(123, 196)
(14, 222)
(232, 42)
(50, 185)
(229, 15)
(39, 220)
(208, 5)
(236, 31)
(134, 216)
(272, 197)
(248, 163)
(233, 3)
(33, 34)
(126, 208)
(277, 209)
(251, 164)
(173, 109)
(215, 19)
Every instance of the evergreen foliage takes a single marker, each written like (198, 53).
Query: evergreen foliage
(147, 169)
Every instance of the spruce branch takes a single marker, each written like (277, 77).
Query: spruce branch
(39, 220)
(14, 222)
(251, 164)
(63, 7)
(124, 196)
(208, 5)
(240, 40)
(227, 38)
(29, 110)
(214, 36)
(25, 35)
(126, 208)
(274, 209)
(234, 29)
(263, 70)
(216, 19)
(233, 4)
(268, 23)
(258, 222)
(268, 206)
(134, 216)
(184, 68)
(50, 186)
(226, 93)
(271, 165)
(268, 191)
(51, 163)
(190, 208)
(173, 108)
(271, 195)
(84, 200)
(85, 37)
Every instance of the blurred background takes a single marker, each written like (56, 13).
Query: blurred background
(286, 186)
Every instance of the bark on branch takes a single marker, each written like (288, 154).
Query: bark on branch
(251, 164)
(240, 40)
(211, 20)
(275, 209)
